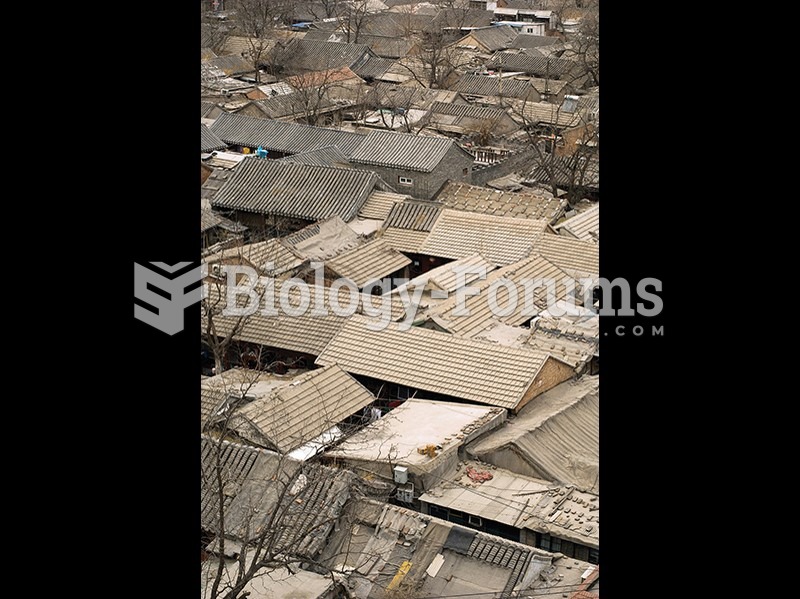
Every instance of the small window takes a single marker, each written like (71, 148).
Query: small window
(475, 520)
(465, 172)
(405, 181)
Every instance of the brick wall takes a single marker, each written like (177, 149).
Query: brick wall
(425, 185)
(520, 161)
(552, 373)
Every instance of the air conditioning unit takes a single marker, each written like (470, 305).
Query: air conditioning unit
(406, 494)
(400, 475)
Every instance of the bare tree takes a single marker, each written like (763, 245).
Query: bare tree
(565, 145)
(258, 20)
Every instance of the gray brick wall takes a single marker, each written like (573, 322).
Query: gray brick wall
(425, 185)
(522, 161)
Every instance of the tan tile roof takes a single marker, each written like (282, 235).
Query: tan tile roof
(502, 240)
(584, 226)
(481, 315)
(436, 362)
(379, 204)
(301, 410)
(472, 198)
(259, 254)
(306, 333)
(405, 240)
(572, 255)
(373, 260)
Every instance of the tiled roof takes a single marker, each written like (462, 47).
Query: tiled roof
(260, 254)
(569, 171)
(501, 240)
(574, 349)
(230, 65)
(436, 362)
(315, 55)
(480, 85)
(210, 219)
(585, 226)
(414, 216)
(295, 190)
(325, 77)
(296, 104)
(371, 67)
(391, 95)
(402, 150)
(468, 110)
(549, 86)
(210, 401)
(373, 260)
(533, 63)
(298, 503)
(379, 204)
(327, 156)
(527, 40)
(278, 136)
(522, 502)
(549, 114)
(472, 198)
(481, 315)
(245, 46)
(307, 333)
(296, 413)
(555, 437)
(210, 142)
(571, 255)
(405, 240)
(206, 107)
(492, 38)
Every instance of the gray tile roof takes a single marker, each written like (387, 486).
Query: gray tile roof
(402, 150)
(436, 362)
(210, 142)
(210, 219)
(492, 38)
(480, 85)
(527, 40)
(206, 107)
(304, 499)
(569, 170)
(413, 216)
(314, 55)
(231, 64)
(370, 66)
(278, 136)
(533, 63)
(327, 156)
(295, 104)
(313, 193)
(469, 111)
